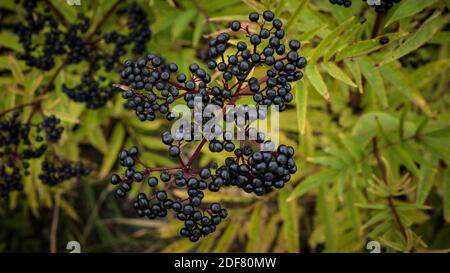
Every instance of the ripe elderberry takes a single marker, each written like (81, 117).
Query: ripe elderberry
(74, 44)
(382, 7)
(22, 142)
(150, 86)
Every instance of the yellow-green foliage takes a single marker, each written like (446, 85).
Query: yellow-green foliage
(372, 136)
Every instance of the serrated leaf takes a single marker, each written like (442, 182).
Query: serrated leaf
(373, 76)
(254, 5)
(408, 8)
(367, 46)
(298, 10)
(290, 223)
(199, 26)
(404, 158)
(403, 85)
(253, 230)
(337, 73)
(312, 32)
(34, 84)
(11, 41)
(301, 96)
(424, 75)
(330, 161)
(446, 194)
(322, 48)
(327, 218)
(16, 71)
(114, 146)
(426, 179)
(68, 209)
(227, 238)
(342, 41)
(97, 139)
(354, 149)
(356, 72)
(312, 182)
(381, 228)
(378, 217)
(315, 79)
(182, 22)
(417, 39)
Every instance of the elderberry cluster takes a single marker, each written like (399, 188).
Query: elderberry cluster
(57, 171)
(21, 142)
(190, 210)
(151, 89)
(266, 49)
(383, 7)
(44, 38)
(345, 3)
(256, 171)
(150, 86)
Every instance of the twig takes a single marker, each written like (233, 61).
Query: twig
(104, 18)
(201, 9)
(391, 202)
(20, 106)
(54, 227)
(196, 152)
(377, 25)
(58, 14)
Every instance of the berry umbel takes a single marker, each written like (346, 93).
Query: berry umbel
(150, 85)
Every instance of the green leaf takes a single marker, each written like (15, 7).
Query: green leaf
(290, 222)
(253, 4)
(8, 4)
(322, 48)
(356, 72)
(312, 182)
(401, 124)
(182, 23)
(298, 10)
(301, 96)
(403, 157)
(367, 46)
(16, 71)
(408, 8)
(426, 179)
(405, 86)
(11, 41)
(446, 194)
(254, 228)
(227, 238)
(32, 83)
(337, 73)
(373, 76)
(327, 218)
(198, 30)
(312, 32)
(424, 75)
(315, 78)
(114, 146)
(417, 39)
(378, 217)
(354, 149)
(342, 41)
(381, 228)
(96, 137)
(69, 210)
(330, 161)
(280, 8)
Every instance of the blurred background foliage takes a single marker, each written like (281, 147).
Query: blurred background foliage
(370, 124)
